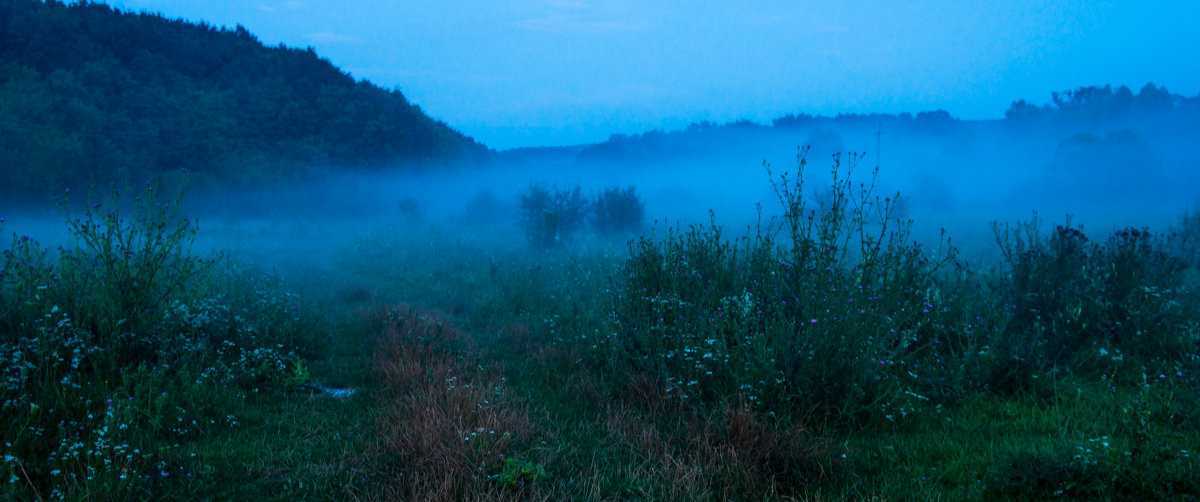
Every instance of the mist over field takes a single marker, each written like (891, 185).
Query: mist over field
(1103, 175)
(959, 176)
(569, 250)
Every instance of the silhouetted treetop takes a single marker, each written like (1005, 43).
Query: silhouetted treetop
(1093, 103)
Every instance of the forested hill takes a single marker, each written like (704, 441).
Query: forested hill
(90, 92)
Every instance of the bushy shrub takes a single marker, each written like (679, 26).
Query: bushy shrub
(551, 216)
(617, 212)
(837, 320)
(124, 269)
(484, 209)
(1082, 305)
(114, 353)
(1186, 237)
(410, 209)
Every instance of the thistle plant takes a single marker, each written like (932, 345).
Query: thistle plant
(835, 317)
(128, 262)
(1074, 301)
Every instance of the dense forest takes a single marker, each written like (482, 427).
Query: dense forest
(88, 92)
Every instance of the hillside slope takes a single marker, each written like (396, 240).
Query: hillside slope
(90, 92)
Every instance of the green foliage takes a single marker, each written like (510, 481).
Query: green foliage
(1145, 456)
(618, 212)
(1074, 302)
(969, 420)
(1186, 237)
(551, 216)
(129, 267)
(93, 93)
(518, 472)
(836, 321)
(116, 357)
(822, 355)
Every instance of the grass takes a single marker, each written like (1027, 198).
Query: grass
(820, 356)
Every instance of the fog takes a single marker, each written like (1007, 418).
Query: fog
(949, 174)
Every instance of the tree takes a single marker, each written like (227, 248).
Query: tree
(552, 216)
(617, 211)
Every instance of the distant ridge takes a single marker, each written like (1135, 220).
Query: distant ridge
(1151, 108)
(90, 92)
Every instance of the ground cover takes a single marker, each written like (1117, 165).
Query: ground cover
(821, 356)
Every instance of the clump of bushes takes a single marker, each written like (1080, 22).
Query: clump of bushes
(1186, 237)
(833, 311)
(484, 209)
(824, 312)
(618, 212)
(1087, 306)
(410, 209)
(552, 216)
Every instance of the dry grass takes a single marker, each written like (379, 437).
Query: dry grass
(448, 423)
(732, 453)
(446, 426)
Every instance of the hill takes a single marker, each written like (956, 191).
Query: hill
(90, 92)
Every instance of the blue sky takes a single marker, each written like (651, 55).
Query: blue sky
(554, 72)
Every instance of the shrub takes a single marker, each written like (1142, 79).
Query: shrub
(122, 270)
(1186, 241)
(617, 212)
(484, 209)
(517, 472)
(1047, 279)
(838, 320)
(551, 217)
(1074, 301)
(410, 209)
(114, 354)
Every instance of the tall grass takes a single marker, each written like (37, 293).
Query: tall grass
(447, 429)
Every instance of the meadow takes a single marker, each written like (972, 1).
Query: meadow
(821, 354)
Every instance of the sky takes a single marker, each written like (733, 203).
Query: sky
(517, 73)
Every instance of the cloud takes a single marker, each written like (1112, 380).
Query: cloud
(332, 38)
(579, 16)
(281, 6)
(562, 23)
(568, 4)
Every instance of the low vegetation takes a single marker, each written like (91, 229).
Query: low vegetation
(820, 355)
